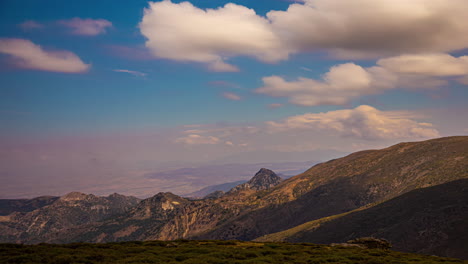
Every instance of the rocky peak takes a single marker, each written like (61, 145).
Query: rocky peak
(75, 196)
(264, 179)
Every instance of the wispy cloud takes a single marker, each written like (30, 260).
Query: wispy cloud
(30, 25)
(231, 96)
(135, 73)
(28, 55)
(274, 106)
(195, 139)
(86, 27)
(129, 52)
(306, 69)
(224, 84)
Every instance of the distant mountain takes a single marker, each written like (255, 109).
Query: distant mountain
(188, 180)
(214, 188)
(56, 218)
(431, 220)
(8, 206)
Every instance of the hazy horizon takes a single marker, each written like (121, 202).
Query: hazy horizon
(95, 96)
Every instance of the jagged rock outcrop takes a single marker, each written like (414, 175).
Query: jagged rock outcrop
(264, 179)
(366, 242)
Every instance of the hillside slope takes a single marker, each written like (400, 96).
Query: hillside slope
(348, 183)
(431, 220)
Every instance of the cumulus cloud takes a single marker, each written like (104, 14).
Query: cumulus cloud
(183, 32)
(86, 27)
(347, 29)
(345, 82)
(30, 25)
(339, 85)
(231, 96)
(436, 64)
(195, 139)
(28, 55)
(135, 73)
(364, 28)
(363, 122)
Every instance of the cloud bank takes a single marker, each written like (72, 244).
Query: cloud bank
(363, 122)
(345, 82)
(346, 29)
(28, 55)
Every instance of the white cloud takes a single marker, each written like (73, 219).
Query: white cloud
(195, 139)
(351, 29)
(28, 55)
(231, 96)
(342, 83)
(363, 28)
(135, 73)
(183, 32)
(86, 27)
(363, 122)
(345, 82)
(30, 25)
(436, 64)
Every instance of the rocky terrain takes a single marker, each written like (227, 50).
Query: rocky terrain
(264, 205)
(57, 218)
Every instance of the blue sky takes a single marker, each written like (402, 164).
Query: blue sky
(199, 81)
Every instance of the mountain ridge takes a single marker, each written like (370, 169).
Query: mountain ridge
(334, 187)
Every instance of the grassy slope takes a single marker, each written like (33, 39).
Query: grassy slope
(194, 252)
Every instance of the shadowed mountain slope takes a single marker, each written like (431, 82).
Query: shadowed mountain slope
(431, 220)
(8, 206)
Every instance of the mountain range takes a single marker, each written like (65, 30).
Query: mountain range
(412, 194)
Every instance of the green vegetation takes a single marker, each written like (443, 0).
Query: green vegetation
(193, 252)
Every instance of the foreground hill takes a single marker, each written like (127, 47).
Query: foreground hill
(194, 252)
(431, 220)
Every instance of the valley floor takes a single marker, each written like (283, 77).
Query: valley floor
(193, 252)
